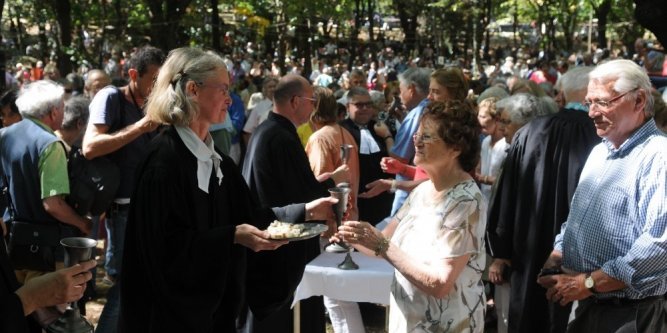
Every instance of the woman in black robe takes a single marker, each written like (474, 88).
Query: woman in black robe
(184, 259)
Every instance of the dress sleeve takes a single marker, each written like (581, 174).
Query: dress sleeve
(319, 155)
(459, 232)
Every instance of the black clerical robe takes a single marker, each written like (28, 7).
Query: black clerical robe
(182, 271)
(531, 201)
(12, 319)
(374, 209)
(277, 170)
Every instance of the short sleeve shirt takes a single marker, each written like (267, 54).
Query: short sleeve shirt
(53, 177)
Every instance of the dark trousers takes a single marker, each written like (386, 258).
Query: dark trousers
(620, 316)
(281, 321)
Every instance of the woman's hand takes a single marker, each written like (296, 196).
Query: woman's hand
(320, 209)
(376, 188)
(381, 129)
(255, 239)
(496, 270)
(392, 165)
(360, 233)
(341, 174)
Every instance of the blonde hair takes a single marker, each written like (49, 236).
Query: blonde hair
(490, 105)
(168, 102)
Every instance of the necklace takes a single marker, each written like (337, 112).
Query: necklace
(134, 100)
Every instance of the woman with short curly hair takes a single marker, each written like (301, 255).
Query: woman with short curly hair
(436, 240)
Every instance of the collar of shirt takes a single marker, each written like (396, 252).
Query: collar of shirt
(576, 106)
(207, 157)
(422, 104)
(41, 124)
(367, 144)
(283, 121)
(636, 138)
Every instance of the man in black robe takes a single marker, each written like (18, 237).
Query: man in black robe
(532, 200)
(373, 209)
(277, 171)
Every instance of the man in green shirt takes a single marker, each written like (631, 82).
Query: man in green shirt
(34, 163)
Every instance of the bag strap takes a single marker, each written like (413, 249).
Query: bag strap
(10, 204)
(5, 187)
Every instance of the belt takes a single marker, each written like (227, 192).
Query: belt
(617, 301)
(116, 207)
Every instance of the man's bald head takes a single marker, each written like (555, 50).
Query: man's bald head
(96, 80)
(289, 86)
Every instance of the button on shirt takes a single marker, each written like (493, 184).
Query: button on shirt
(618, 218)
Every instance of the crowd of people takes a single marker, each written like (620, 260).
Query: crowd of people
(530, 199)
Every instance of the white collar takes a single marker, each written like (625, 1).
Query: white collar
(207, 157)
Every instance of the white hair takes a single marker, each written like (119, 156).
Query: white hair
(626, 76)
(521, 107)
(574, 80)
(38, 98)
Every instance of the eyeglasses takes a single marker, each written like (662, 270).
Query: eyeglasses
(424, 138)
(361, 105)
(311, 99)
(220, 87)
(606, 104)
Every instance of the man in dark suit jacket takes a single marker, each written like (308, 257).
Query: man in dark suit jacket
(278, 173)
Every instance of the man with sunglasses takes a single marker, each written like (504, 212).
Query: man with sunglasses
(373, 139)
(612, 247)
(118, 129)
(278, 172)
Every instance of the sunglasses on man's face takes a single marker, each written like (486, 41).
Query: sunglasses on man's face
(361, 105)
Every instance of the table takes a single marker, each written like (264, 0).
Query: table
(370, 283)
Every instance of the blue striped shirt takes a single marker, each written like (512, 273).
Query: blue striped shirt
(618, 218)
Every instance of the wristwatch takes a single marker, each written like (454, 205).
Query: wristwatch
(589, 283)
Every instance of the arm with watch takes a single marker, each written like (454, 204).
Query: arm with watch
(565, 286)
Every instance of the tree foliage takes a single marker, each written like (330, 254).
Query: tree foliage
(81, 31)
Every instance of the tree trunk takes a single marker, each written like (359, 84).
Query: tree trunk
(119, 30)
(354, 36)
(408, 23)
(652, 14)
(281, 28)
(371, 24)
(215, 26)
(16, 29)
(602, 13)
(166, 32)
(3, 59)
(303, 46)
(63, 11)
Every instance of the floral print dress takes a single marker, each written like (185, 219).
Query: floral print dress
(430, 230)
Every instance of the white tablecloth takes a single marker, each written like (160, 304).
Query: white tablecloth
(370, 283)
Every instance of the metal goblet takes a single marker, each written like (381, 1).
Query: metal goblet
(342, 194)
(345, 150)
(77, 249)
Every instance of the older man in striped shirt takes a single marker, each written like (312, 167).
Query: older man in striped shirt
(613, 248)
